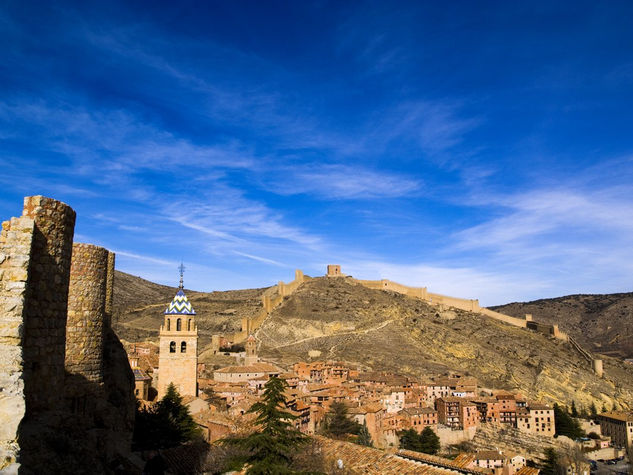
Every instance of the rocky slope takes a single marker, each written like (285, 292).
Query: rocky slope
(603, 323)
(337, 318)
(343, 320)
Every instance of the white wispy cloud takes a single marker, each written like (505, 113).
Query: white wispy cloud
(339, 181)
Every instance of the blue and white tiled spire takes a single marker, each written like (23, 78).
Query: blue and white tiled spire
(180, 305)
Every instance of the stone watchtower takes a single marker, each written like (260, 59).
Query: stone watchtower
(178, 358)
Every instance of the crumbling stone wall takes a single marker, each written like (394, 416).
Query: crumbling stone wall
(16, 240)
(39, 433)
(86, 312)
(44, 344)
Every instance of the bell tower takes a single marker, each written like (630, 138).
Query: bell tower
(178, 357)
(251, 351)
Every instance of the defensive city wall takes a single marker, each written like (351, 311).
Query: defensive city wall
(270, 300)
(57, 350)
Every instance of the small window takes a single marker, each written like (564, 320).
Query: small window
(178, 325)
(168, 324)
(189, 325)
(172, 347)
(183, 347)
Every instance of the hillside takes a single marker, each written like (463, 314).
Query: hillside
(382, 330)
(603, 323)
(139, 305)
(337, 318)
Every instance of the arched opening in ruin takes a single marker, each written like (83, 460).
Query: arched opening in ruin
(178, 325)
(172, 347)
(183, 347)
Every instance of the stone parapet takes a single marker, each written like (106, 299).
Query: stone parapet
(86, 311)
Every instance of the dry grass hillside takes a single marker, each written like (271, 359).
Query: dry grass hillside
(382, 330)
(603, 323)
(387, 331)
(139, 306)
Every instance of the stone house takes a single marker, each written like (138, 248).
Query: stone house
(619, 426)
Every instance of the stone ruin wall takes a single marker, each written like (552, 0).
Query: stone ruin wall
(86, 312)
(272, 298)
(40, 292)
(16, 241)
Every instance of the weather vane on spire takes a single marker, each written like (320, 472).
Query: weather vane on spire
(181, 268)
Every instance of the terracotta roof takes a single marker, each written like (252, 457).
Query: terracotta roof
(413, 411)
(537, 406)
(440, 462)
(619, 415)
(366, 460)
(254, 368)
(464, 460)
(489, 455)
(527, 471)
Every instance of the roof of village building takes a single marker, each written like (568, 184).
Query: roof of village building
(619, 415)
(140, 375)
(365, 409)
(442, 463)
(254, 368)
(180, 305)
(464, 459)
(527, 471)
(489, 455)
(538, 406)
(357, 459)
(414, 411)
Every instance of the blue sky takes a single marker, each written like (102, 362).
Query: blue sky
(481, 149)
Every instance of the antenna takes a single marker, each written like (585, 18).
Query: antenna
(181, 268)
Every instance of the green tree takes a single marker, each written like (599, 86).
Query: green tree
(566, 425)
(593, 410)
(364, 438)
(550, 467)
(337, 422)
(167, 424)
(574, 411)
(604, 407)
(410, 440)
(271, 448)
(429, 441)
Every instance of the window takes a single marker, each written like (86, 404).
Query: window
(183, 347)
(172, 347)
(189, 325)
(168, 324)
(178, 325)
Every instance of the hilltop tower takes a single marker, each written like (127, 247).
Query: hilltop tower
(178, 358)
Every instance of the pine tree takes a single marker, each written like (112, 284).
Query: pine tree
(364, 438)
(270, 448)
(604, 407)
(574, 411)
(566, 425)
(410, 440)
(429, 441)
(551, 462)
(593, 409)
(168, 424)
(337, 422)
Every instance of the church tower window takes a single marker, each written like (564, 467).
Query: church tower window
(172, 347)
(183, 347)
(178, 325)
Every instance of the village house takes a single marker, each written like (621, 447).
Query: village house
(418, 418)
(456, 412)
(236, 374)
(619, 426)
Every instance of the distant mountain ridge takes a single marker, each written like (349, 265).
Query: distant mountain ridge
(601, 322)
